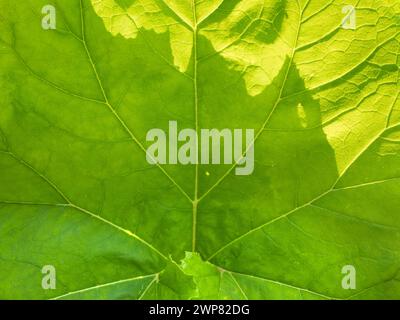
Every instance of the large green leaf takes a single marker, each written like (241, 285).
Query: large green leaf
(77, 193)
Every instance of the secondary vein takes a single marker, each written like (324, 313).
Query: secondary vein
(115, 113)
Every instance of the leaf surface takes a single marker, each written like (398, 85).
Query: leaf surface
(76, 191)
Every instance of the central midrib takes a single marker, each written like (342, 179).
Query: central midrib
(195, 89)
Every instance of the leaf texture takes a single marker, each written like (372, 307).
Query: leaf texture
(76, 191)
